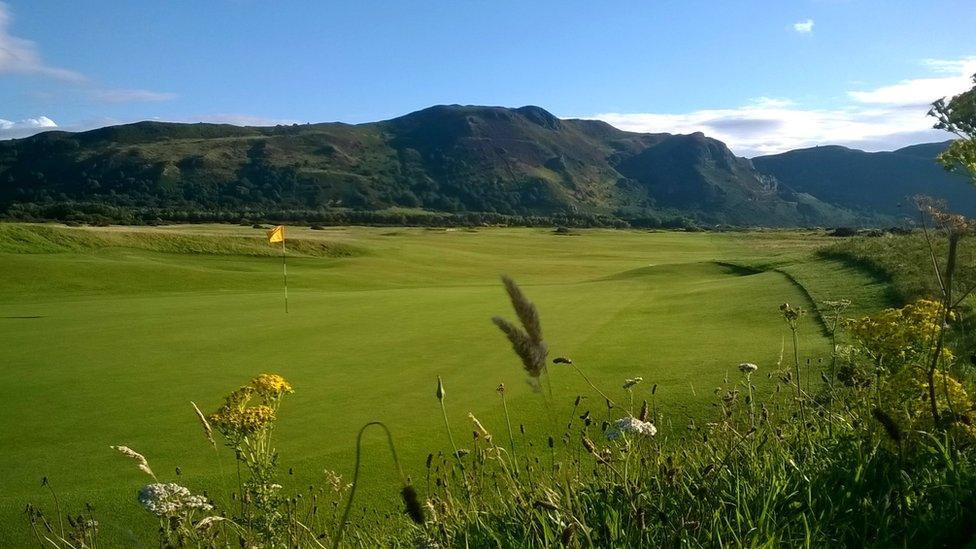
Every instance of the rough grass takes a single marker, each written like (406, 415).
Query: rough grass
(43, 239)
(107, 334)
(902, 261)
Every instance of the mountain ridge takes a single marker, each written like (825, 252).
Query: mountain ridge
(446, 158)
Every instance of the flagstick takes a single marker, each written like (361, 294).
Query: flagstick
(284, 271)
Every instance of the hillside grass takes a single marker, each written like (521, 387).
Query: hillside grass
(904, 262)
(107, 334)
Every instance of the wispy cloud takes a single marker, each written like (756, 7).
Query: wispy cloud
(22, 128)
(131, 96)
(881, 118)
(803, 27)
(21, 56)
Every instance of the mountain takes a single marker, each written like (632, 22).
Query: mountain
(447, 158)
(450, 158)
(882, 182)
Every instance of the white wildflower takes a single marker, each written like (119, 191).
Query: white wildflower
(628, 383)
(748, 367)
(167, 500)
(630, 425)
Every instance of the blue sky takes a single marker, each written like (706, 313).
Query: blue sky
(762, 76)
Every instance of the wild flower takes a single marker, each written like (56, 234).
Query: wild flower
(271, 386)
(904, 400)
(747, 367)
(632, 381)
(630, 425)
(335, 481)
(244, 421)
(171, 500)
(235, 419)
(790, 313)
(896, 336)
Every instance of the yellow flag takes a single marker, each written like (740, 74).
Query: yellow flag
(276, 235)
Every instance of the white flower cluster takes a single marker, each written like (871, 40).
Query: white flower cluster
(748, 367)
(630, 425)
(166, 500)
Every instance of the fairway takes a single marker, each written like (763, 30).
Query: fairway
(106, 335)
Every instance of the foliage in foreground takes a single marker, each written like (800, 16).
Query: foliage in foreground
(847, 456)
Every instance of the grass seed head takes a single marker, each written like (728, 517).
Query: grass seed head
(207, 429)
(140, 460)
(414, 510)
(526, 340)
(886, 421)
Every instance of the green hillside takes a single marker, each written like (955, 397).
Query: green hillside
(453, 158)
(883, 182)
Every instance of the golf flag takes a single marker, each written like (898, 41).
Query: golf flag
(276, 235)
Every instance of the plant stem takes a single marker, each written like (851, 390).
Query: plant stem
(511, 434)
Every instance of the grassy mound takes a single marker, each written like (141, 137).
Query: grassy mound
(45, 239)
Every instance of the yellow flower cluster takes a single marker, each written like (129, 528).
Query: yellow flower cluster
(237, 419)
(899, 335)
(271, 386)
(905, 398)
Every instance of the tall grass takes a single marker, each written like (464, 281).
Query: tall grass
(849, 457)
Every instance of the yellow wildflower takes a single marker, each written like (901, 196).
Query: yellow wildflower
(271, 386)
(905, 398)
(896, 336)
(236, 419)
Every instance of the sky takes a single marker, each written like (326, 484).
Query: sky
(762, 76)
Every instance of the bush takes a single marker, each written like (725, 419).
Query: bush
(843, 232)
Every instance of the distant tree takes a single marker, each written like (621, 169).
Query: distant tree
(958, 115)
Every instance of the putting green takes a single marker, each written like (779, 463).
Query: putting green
(106, 335)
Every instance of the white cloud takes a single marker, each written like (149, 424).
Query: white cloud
(883, 118)
(131, 96)
(803, 27)
(22, 128)
(957, 77)
(20, 56)
(31, 126)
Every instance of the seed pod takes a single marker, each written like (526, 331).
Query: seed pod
(414, 510)
(888, 423)
(440, 390)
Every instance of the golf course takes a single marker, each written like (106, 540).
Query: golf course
(108, 334)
